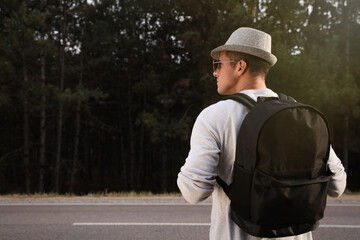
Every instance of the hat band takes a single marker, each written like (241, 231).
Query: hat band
(270, 58)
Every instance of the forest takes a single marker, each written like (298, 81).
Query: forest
(101, 95)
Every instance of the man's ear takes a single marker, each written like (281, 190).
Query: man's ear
(241, 66)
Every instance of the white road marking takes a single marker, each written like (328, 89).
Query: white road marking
(141, 204)
(179, 224)
(339, 226)
(104, 204)
(139, 224)
(343, 205)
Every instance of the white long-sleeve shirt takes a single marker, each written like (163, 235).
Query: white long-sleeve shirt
(212, 153)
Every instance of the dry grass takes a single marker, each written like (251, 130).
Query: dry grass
(97, 194)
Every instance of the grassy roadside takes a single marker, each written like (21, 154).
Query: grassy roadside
(96, 195)
(348, 195)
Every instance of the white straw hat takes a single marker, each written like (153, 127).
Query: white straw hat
(250, 41)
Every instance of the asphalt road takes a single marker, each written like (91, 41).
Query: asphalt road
(145, 218)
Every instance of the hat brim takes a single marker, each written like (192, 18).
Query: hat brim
(270, 58)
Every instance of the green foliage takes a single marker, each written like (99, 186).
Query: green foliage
(3, 99)
(142, 72)
(82, 94)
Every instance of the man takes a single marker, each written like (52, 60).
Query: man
(240, 65)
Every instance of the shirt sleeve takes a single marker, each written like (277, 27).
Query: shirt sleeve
(338, 180)
(197, 177)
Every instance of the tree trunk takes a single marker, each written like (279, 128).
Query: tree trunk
(140, 172)
(26, 126)
(77, 137)
(60, 113)
(132, 156)
(131, 141)
(87, 158)
(58, 148)
(140, 167)
(346, 143)
(123, 160)
(42, 124)
(124, 164)
(164, 169)
(346, 22)
(254, 10)
(77, 121)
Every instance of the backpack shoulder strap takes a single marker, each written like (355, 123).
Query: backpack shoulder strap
(249, 103)
(243, 99)
(284, 97)
(224, 186)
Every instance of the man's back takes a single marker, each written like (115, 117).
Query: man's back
(213, 146)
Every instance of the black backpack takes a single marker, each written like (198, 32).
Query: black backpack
(280, 176)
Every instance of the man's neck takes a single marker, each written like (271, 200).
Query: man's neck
(257, 82)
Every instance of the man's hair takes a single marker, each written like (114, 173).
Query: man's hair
(256, 65)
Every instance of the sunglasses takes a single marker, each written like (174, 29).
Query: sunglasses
(217, 63)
